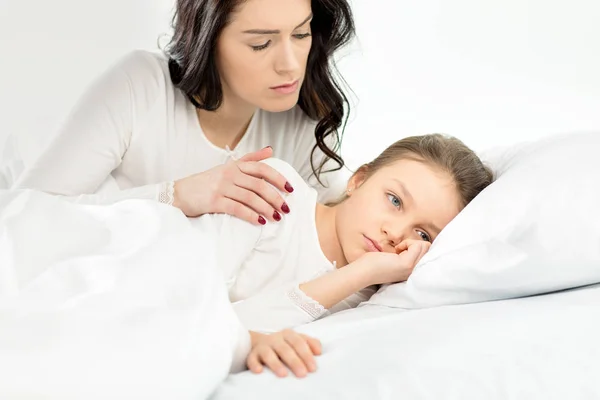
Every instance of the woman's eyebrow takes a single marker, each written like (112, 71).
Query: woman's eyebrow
(274, 31)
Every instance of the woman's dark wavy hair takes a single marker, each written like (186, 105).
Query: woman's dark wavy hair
(198, 24)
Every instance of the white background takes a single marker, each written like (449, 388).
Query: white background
(491, 72)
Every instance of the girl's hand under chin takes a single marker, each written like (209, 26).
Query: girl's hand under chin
(382, 268)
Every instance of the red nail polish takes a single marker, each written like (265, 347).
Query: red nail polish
(285, 208)
(261, 220)
(276, 216)
(289, 187)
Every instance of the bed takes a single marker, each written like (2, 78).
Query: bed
(503, 306)
(540, 347)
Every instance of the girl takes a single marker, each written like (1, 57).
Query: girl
(328, 258)
(237, 76)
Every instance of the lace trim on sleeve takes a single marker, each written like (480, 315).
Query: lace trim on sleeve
(307, 304)
(166, 193)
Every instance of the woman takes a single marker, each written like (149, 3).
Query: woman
(328, 258)
(237, 77)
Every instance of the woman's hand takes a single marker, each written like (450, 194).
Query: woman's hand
(281, 349)
(381, 268)
(239, 188)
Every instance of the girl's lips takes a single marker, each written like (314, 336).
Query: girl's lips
(372, 245)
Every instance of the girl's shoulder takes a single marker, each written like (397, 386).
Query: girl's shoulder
(300, 186)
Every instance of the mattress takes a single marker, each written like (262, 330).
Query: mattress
(543, 347)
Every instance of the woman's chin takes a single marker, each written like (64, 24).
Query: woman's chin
(280, 104)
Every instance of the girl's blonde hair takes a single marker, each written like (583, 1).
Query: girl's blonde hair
(442, 152)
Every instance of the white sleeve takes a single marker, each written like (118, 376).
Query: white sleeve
(281, 308)
(93, 140)
(161, 192)
(289, 307)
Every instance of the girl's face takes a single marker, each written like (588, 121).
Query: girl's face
(404, 200)
(262, 53)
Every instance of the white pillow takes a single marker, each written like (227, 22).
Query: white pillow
(535, 230)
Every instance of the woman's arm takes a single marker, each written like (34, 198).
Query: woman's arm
(94, 138)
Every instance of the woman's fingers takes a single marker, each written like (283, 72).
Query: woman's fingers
(235, 208)
(253, 201)
(258, 155)
(266, 172)
(268, 199)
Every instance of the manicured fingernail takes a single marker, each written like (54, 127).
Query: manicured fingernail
(276, 216)
(289, 187)
(285, 208)
(268, 147)
(261, 220)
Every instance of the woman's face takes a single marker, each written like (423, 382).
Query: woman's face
(405, 200)
(262, 53)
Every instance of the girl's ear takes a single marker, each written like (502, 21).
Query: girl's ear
(357, 179)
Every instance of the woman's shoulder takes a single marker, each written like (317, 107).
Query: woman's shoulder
(144, 62)
(145, 71)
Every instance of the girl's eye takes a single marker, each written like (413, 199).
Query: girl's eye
(425, 236)
(261, 46)
(302, 35)
(396, 202)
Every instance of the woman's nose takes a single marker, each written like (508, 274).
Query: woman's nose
(287, 61)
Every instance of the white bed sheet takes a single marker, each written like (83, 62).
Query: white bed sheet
(544, 347)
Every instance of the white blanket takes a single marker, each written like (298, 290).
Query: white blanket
(536, 348)
(113, 302)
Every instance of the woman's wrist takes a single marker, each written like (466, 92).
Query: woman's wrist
(177, 197)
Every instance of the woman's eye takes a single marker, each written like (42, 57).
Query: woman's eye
(425, 236)
(301, 35)
(261, 46)
(396, 202)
